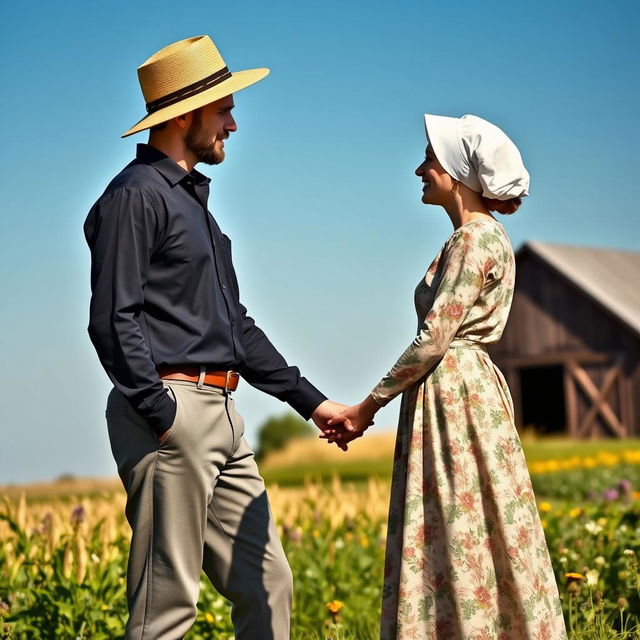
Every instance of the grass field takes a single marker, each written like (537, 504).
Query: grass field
(63, 546)
(372, 455)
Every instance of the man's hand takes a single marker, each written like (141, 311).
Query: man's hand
(324, 412)
(351, 423)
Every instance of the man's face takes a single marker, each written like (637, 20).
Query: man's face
(209, 128)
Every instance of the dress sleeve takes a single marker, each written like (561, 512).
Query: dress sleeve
(461, 282)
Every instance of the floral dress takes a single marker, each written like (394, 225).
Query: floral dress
(466, 555)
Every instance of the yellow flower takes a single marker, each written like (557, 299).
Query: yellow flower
(573, 576)
(544, 524)
(334, 606)
(315, 533)
(575, 512)
(208, 617)
(364, 541)
(545, 507)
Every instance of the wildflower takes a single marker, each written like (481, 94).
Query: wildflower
(599, 560)
(610, 495)
(623, 603)
(624, 486)
(545, 507)
(629, 552)
(364, 541)
(334, 608)
(315, 533)
(573, 576)
(563, 560)
(4, 608)
(293, 533)
(593, 527)
(573, 582)
(78, 515)
(208, 617)
(575, 512)
(599, 601)
(592, 577)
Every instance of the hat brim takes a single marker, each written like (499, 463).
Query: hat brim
(238, 80)
(441, 130)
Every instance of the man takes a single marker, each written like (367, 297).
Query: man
(170, 331)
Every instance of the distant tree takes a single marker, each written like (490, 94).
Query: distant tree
(65, 477)
(276, 431)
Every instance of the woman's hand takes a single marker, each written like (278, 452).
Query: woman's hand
(351, 423)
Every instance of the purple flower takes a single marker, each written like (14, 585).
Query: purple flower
(610, 495)
(624, 486)
(78, 515)
(292, 533)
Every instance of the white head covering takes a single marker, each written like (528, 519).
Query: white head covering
(478, 154)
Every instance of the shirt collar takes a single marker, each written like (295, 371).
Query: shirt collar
(168, 168)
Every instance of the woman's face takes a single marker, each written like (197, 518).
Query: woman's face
(437, 183)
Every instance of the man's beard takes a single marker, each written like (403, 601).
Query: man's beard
(199, 142)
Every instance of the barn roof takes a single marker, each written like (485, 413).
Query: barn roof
(609, 276)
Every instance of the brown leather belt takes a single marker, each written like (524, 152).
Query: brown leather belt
(227, 380)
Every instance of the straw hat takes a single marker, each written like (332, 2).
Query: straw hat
(184, 76)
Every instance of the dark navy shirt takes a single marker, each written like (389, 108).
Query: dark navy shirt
(164, 291)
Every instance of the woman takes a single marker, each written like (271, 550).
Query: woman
(466, 555)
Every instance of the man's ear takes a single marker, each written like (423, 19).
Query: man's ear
(183, 121)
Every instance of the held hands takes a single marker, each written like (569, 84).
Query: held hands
(351, 423)
(324, 412)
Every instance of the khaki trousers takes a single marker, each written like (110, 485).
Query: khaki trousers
(195, 503)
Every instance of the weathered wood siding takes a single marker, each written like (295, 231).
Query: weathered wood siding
(553, 321)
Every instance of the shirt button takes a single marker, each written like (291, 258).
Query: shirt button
(224, 286)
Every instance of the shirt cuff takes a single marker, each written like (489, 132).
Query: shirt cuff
(305, 398)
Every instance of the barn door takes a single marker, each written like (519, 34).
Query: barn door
(597, 399)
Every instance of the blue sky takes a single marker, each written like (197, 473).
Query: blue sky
(317, 192)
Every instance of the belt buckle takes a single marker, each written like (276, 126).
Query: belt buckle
(227, 380)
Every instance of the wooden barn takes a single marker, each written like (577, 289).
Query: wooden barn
(571, 349)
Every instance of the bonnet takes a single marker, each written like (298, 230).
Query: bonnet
(478, 154)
